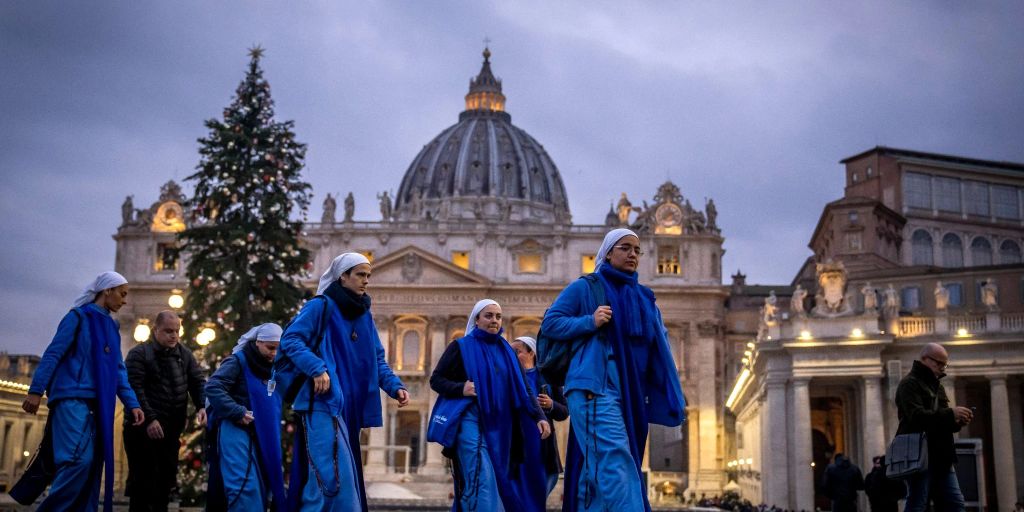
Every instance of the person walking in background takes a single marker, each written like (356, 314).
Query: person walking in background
(841, 481)
(496, 456)
(551, 401)
(347, 373)
(164, 375)
(884, 494)
(923, 406)
(245, 429)
(81, 372)
(621, 378)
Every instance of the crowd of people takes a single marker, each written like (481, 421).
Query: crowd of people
(495, 413)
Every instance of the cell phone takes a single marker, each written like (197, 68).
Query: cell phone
(545, 389)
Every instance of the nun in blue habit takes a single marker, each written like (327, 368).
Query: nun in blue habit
(622, 378)
(347, 371)
(496, 449)
(81, 372)
(244, 440)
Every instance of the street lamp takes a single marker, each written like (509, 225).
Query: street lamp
(205, 336)
(142, 330)
(175, 301)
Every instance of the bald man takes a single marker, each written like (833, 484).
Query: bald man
(164, 375)
(924, 407)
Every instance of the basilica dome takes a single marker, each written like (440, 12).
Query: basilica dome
(483, 167)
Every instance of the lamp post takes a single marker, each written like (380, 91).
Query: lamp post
(176, 301)
(142, 330)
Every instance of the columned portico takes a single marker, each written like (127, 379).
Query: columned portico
(775, 454)
(803, 478)
(1002, 444)
(434, 463)
(873, 424)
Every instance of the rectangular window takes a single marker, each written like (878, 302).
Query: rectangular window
(976, 198)
(166, 258)
(461, 259)
(668, 260)
(587, 263)
(529, 263)
(917, 190)
(956, 294)
(947, 194)
(1005, 202)
(911, 298)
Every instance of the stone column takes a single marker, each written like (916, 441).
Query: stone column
(708, 471)
(434, 461)
(802, 452)
(1002, 444)
(949, 384)
(375, 464)
(872, 424)
(775, 455)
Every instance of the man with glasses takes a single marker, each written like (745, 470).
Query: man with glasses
(924, 407)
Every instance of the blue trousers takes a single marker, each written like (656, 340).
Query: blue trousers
(77, 483)
(609, 479)
(480, 484)
(942, 487)
(332, 483)
(239, 468)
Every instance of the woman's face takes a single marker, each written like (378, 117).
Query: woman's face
(489, 319)
(527, 358)
(625, 254)
(268, 349)
(113, 298)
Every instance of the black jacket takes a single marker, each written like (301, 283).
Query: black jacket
(842, 480)
(163, 380)
(919, 411)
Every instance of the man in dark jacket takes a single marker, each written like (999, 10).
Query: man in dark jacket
(164, 374)
(883, 493)
(923, 407)
(841, 482)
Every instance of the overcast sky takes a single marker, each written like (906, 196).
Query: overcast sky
(752, 104)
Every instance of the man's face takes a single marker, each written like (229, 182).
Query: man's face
(166, 332)
(268, 349)
(357, 278)
(937, 361)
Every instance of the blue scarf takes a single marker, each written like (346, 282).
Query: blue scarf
(648, 378)
(504, 402)
(106, 356)
(266, 411)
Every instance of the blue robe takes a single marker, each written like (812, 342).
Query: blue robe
(82, 405)
(490, 476)
(245, 463)
(329, 473)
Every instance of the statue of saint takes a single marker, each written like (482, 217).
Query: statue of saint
(415, 205)
(127, 211)
(385, 206)
(624, 208)
(770, 309)
(350, 207)
(712, 215)
(870, 297)
(990, 295)
(892, 302)
(941, 297)
(330, 205)
(796, 303)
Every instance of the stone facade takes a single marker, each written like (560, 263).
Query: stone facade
(823, 382)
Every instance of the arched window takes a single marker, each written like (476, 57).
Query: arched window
(1009, 252)
(981, 252)
(921, 248)
(952, 251)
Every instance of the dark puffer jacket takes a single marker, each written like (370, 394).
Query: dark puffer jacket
(163, 379)
(923, 407)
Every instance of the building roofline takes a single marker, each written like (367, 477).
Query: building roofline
(952, 159)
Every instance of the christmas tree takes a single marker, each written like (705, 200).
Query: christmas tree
(245, 260)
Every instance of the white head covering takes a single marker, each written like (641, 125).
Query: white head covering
(610, 240)
(338, 267)
(529, 342)
(476, 311)
(263, 332)
(102, 282)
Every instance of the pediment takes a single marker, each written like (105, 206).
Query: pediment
(414, 266)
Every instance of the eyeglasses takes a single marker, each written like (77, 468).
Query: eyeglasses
(942, 364)
(635, 249)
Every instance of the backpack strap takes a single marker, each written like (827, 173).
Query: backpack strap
(321, 333)
(597, 292)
